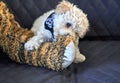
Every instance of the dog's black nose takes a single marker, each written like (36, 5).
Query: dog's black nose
(68, 24)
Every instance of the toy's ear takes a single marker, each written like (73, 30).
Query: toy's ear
(63, 7)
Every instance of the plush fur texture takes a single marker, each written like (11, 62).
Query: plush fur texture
(68, 19)
(54, 55)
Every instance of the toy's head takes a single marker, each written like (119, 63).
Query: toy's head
(69, 19)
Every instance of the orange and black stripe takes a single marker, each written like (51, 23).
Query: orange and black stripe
(13, 38)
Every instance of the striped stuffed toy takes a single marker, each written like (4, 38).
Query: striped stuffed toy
(13, 37)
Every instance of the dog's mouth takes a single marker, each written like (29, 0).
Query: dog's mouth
(49, 23)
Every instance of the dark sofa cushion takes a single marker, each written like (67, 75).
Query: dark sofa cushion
(102, 66)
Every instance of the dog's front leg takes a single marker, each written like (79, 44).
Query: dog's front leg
(33, 43)
(78, 56)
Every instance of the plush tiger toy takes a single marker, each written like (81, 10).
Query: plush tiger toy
(13, 37)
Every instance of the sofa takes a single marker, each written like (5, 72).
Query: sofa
(101, 45)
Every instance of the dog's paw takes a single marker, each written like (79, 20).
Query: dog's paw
(79, 58)
(31, 45)
(69, 55)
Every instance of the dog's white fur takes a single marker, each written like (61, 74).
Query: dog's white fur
(65, 12)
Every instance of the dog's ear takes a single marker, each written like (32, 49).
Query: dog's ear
(83, 27)
(63, 7)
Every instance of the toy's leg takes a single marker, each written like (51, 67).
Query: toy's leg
(78, 56)
(69, 55)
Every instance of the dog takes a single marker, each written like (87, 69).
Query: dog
(66, 18)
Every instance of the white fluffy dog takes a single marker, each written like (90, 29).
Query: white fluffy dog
(66, 18)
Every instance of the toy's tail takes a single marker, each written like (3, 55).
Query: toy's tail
(13, 38)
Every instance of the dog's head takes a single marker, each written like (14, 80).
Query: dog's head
(69, 19)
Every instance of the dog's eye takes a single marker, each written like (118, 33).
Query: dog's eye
(68, 24)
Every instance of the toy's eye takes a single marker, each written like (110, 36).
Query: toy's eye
(68, 24)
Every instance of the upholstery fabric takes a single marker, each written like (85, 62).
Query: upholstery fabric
(101, 46)
(102, 66)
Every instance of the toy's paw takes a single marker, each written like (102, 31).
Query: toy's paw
(31, 45)
(79, 58)
(69, 55)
